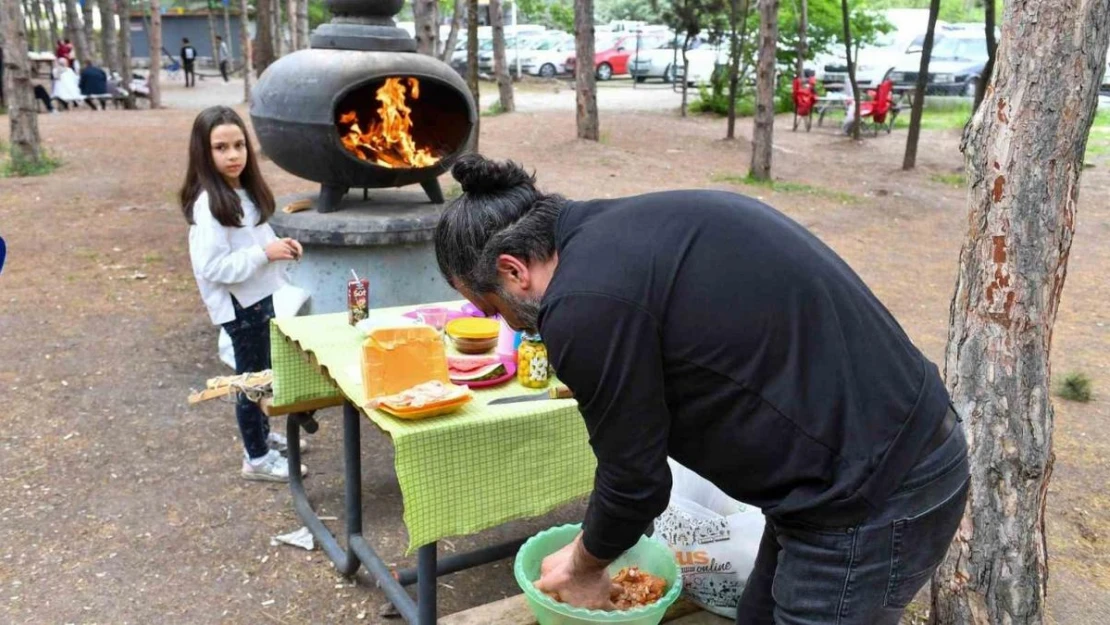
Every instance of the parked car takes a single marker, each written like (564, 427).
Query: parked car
(875, 61)
(458, 58)
(512, 49)
(549, 58)
(955, 68)
(662, 61)
(611, 53)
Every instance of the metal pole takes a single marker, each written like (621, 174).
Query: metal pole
(636, 59)
(426, 584)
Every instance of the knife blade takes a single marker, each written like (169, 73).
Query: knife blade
(555, 392)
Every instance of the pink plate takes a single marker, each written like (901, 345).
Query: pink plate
(451, 314)
(510, 371)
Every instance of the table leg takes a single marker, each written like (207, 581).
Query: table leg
(426, 584)
(344, 559)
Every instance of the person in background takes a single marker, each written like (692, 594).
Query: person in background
(188, 62)
(67, 87)
(94, 82)
(224, 54)
(43, 96)
(237, 262)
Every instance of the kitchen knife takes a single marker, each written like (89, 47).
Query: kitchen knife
(555, 392)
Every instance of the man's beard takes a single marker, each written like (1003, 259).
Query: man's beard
(526, 311)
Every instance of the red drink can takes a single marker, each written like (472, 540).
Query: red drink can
(358, 300)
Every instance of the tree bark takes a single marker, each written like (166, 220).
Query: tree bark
(291, 17)
(109, 38)
(123, 9)
(764, 130)
(52, 19)
(737, 20)
(500, 62)
(472, 64)
(245, 50)
(90, 38)
(23, 120)
(1024, 152)
(212, 31)
(276, 31)
(453, 34)
(36, 34)
(264, 38)
(226, 6)
(910, 159)
(426, 18)
(803, 27)
(302, 24)
(992, 50)
(154, 79)
(851, 68)
(585, 78)
(75, 32)
(685, 74)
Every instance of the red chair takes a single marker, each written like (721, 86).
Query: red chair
(805, 97)
(880, 110)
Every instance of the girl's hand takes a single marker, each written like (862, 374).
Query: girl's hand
(280, 250)
(297, 249)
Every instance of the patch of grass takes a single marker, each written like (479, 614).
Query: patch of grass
(939, 114)
(783, 186)
(1075, 386)
(18, 167)
(951, 180)
(494, 109)
(153, 257)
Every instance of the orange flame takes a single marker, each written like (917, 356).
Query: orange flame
(388, 142)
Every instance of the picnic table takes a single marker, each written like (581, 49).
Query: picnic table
(459, 474)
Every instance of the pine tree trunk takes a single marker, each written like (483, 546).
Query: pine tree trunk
(739, 20)
(75, 32)
(426, 18)
(245, 50)
(910, 159)
(92, 53)
(212, 31)
(803, 28)
(584, 76)
(472, 64)
(264, 38)
(992, 52)
(109, 38)
(291, 17)
(1024, 153)
(856, 124)
(123, 9)
(685, 73)
(453, 34)
(276, 31)
(155, 77)
(302, 24)
(500, 62)
(764, 130)
(52, 19)
(19, 94)
(38, 39)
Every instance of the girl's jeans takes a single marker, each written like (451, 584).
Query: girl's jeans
(250, 338)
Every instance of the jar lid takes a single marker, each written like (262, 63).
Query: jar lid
(473, 328)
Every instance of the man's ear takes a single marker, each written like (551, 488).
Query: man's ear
(513, 271)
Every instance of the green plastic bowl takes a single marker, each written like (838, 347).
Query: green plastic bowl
(650, 555)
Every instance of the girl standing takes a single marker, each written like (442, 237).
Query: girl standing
(235, 256)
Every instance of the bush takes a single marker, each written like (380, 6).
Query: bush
(713, 98)
(1075, 387)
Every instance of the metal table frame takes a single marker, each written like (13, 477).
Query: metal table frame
(358, 551)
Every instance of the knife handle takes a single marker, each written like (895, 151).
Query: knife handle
(560, 392)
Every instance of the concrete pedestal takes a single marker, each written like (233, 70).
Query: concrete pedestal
(386, 239)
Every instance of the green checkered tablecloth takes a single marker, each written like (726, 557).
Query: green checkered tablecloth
(460, 473)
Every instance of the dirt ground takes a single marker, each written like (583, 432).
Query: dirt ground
(120, 504)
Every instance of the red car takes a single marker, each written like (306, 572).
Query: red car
(611, 53)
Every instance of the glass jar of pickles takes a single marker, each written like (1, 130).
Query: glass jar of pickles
(532, 369)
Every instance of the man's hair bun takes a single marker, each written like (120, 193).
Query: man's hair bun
(479, 175)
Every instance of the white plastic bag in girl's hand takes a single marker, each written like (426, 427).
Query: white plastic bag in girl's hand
(714, 537)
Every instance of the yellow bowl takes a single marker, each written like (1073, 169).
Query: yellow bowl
(473, 328)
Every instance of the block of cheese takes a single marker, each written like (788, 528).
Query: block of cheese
(395, 359)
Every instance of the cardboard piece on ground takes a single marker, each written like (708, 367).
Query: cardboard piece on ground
(514, 611)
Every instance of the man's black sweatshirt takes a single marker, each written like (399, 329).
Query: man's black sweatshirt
(709, 327)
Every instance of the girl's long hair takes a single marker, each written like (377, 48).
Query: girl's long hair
(203, 176)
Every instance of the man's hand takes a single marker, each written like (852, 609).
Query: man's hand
(572, 576)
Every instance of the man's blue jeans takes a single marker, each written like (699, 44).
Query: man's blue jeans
(866, 574)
